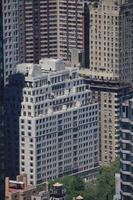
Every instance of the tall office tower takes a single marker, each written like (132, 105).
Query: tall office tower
(12, 33)
(126, 168)
(109, 97)
(110, 66)
(11, 10)
(110, 40)
(1, 109)
(51, 28)
(59, 124)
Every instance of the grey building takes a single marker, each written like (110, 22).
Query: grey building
(126, 149)
(2, 172)
(11, 12)
(59, 123)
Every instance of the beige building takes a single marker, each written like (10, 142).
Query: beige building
(109, 97)
(111, 40)
(110, 66)
(18, 190)
(77, 57)
(51, 28)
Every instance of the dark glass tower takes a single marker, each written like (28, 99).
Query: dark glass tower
(1, 110)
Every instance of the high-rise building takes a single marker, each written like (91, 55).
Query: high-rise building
(11, 12)
(109, 97)
(2, 173)
(59, 123)
(36, 29)
(110, 40)
(51, 28)
(126, 169)
(109, 49)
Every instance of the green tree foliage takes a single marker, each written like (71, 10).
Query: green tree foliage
(103, 188)
(104, 185)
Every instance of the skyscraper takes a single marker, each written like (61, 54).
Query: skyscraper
(110, 54)
(110, 40)
(31, 30)
(36, 29)
(11, 12)
(126, 155)
(59, 124)
(2, 172)
(109, 97)
(51, 28)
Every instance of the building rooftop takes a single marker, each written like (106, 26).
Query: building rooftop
(46, 66)
(51, 64)
(58, 184)
(79, 198)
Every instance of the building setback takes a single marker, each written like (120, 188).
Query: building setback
(59, 123)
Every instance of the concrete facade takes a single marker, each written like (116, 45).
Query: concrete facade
(51, 28)
(126, 149)
(109, 98)
(59, 123)
(11, 11)
(110, 40)
(110, 68)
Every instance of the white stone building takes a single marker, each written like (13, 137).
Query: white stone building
(59, 123)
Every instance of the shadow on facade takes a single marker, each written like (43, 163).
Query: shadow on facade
(12, 100)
